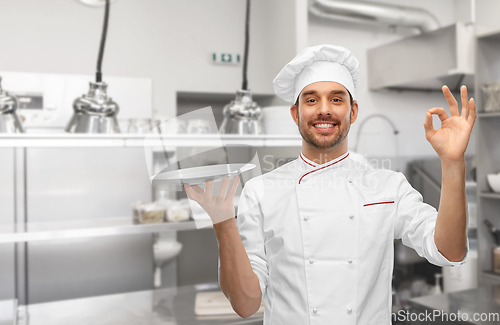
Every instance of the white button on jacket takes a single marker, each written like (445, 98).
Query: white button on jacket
(282, 246)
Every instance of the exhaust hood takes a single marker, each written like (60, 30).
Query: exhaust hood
(364, 12)
(426, 62)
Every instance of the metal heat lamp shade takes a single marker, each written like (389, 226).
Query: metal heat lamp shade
(9, 121)
(94, 112)
(242, 115)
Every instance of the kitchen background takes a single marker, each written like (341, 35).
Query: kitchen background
(158, 63)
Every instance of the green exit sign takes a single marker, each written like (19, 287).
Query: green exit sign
(226, 58)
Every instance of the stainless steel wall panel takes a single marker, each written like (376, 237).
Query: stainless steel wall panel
(86, 183)
(77, 268)
(7, 216)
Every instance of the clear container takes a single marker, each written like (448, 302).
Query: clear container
(492, 93)
(149, 213)
(154, 125)
(124, 123)
(140, 125)
(496, 259)
(199, 126)
(132, 126)
(181, 126)
(143, 125)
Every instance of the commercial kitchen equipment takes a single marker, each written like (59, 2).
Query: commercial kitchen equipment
(243, 115)
(9, 121)
(95, 112)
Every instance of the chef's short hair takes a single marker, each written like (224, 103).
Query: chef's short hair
(351, 100)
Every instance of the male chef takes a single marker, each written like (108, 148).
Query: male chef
(314, 238)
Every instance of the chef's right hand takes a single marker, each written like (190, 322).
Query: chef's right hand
(219, 208)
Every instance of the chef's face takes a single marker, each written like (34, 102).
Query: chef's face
(324, 114)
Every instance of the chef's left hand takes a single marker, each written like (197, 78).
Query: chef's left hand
(451, 139)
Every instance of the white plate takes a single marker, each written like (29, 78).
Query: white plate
(198, 175)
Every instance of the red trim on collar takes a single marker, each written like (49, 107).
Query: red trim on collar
(378, 203)
(312, 171)
(306, 161)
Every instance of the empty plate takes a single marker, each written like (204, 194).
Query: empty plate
(198, 175)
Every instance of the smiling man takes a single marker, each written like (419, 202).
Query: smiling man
(314, 238)
(324, 133)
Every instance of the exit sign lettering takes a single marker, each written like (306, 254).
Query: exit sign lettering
(226, 58)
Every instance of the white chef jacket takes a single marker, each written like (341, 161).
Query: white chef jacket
(320, 239)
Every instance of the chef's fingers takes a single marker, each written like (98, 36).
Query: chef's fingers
(465, 102)
(429, 128)
(197, 189)
(451, 101)
(233, 188)
(472, 112)
(191, 193)
(223, 188)
(439, 111)
(209, 186)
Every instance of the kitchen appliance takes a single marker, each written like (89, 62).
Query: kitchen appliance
(9, 121)
(243, 115)
(90, 184)
(45, 100)
(95, 112)
(373, 13)
(428, 61)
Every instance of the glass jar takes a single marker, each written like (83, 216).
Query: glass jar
(492, 94)
(124, 123)
(496, 259)
(199, 126)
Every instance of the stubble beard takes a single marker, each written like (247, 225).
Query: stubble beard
(321, 142)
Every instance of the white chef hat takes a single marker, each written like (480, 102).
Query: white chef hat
(314, 64)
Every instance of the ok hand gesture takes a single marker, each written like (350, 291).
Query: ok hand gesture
(219, 208)
(451, 139)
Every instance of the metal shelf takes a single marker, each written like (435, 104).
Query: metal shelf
(56, 230)
(490, 195)
(492, 275)
(488, 114)
(487, 149)
(58, 140)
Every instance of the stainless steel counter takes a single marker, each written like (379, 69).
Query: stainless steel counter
(484, 302)
(172, 306)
